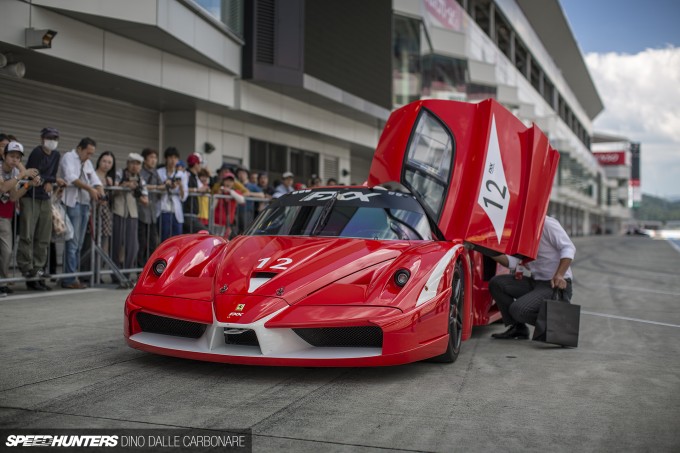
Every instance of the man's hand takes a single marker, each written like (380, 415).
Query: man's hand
(48, 187)
(30, 173)
(61, 182)
(94, 193)
(558, 281)
(144, 200)
(36, 181)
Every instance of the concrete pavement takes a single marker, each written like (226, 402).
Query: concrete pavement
(65, 365)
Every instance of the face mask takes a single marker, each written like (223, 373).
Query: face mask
(51, 144)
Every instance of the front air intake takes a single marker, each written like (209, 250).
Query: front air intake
(241, 337)
(170, 326)
(359, 336)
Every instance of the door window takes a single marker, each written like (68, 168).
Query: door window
(427, 169)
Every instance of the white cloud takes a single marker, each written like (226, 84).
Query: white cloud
(641, 94)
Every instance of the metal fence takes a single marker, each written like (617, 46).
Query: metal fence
(106, 247)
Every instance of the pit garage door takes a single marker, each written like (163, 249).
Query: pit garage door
(27, 106)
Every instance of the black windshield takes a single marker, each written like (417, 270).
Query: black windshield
(350, 213)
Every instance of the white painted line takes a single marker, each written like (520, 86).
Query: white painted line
(674, 243)
(641, 290)
(604, 315)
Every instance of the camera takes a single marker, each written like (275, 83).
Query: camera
(127, 177)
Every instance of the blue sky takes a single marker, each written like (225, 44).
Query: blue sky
(632, 49)
(624, 26)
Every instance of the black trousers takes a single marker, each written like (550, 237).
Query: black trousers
(520, 300)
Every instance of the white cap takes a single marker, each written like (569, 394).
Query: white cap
(136, 157)
(14, 147)
(287, 175)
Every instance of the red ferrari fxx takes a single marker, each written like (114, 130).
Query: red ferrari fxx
(378, 274)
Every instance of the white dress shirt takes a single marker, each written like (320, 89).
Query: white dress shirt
(555, 245)
(72, 168)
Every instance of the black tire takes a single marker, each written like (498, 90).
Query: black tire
(455, 317)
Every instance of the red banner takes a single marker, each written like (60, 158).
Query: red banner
(445, 13)
(611, 157)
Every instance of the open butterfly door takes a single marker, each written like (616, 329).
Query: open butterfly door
(479, 172)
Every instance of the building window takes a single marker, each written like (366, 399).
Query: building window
(444, 78)
(406, 69)
(503, 35)
(448, 78)
(521, 57)
(535, 76)
(304, 164)
(477, 92)
(229, 12)
(276, 159)
(481, 13)
(548, 92)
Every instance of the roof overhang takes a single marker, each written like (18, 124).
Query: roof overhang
(550, 24)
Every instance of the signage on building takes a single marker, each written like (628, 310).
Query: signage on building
(635, 160)
(635, 197)
(635, 175)
(444, 13)
(607, 158)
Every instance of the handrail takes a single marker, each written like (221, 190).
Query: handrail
(96, 262)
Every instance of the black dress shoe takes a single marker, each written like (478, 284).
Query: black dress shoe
(42, 284)
(36, 286)
(515, 332)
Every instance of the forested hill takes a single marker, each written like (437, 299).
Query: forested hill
(655, 208)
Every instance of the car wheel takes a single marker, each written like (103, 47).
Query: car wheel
(455, 317)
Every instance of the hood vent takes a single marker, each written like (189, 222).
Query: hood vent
(258, 279)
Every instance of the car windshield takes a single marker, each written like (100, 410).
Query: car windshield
(347, 213)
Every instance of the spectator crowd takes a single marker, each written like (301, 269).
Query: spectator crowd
(127, 209)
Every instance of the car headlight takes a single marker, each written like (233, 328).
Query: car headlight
(401, 277)
(158, 267)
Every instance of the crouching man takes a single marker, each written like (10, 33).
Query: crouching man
(519, 294)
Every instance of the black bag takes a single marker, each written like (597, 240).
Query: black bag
(558, 321)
